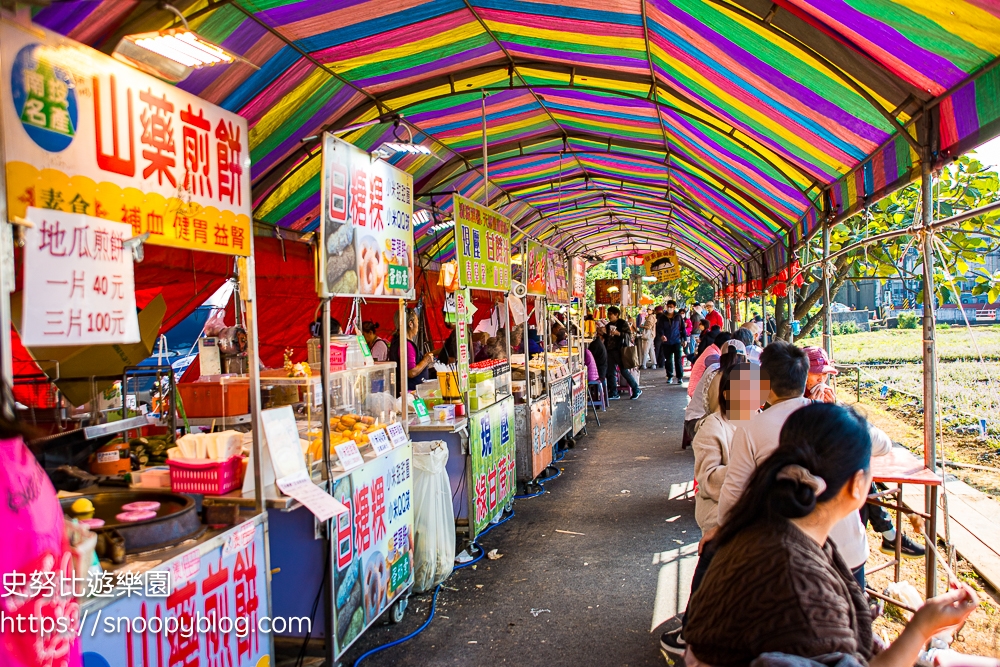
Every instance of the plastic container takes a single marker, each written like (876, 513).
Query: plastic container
(338, 355)
(224, 398)
(209, 478)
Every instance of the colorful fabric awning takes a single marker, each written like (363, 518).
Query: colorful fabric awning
(720, 127)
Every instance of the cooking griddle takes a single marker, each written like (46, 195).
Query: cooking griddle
(175, 521)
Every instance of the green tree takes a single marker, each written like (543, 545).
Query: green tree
(961, 186)
(690, 287)
(598, 272)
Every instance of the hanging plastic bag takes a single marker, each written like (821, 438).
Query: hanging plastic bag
(433, 516)
(216, 322)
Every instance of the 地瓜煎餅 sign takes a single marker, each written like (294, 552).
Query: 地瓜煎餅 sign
(663, 265)
(482, 243)
(86, 134)
(79, 286)
(366, 224)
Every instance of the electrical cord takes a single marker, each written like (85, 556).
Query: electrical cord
(437, 590)
(312, 614)
(408, 637)
(541, 484)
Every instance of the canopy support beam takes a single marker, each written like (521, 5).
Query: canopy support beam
(929, 366)
(827, 311)
(791, 291)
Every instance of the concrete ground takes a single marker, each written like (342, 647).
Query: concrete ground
(592, 595)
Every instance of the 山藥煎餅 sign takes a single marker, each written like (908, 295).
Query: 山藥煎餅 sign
(86, 134)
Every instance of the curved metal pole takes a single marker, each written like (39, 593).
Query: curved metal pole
(486, 165)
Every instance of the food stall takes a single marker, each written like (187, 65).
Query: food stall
(530, 381)
(338, 462)
(481, 445)
(87, 187)
(563, 363)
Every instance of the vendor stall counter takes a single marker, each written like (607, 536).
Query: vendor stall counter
(370, 546)
(220, 577)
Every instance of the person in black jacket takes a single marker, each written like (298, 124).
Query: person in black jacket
(600, 354)
(671, 333)
(619, 336)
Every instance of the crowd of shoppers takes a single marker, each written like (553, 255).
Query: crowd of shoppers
(783, 476)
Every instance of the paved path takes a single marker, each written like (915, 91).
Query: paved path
(601, 594)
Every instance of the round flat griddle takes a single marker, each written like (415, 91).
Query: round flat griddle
(175, 521)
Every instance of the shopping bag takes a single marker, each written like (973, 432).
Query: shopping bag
(433, 516)
(630, 355)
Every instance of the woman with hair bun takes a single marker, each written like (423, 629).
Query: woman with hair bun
(776, 583)
(379, 348)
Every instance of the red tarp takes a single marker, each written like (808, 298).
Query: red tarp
(286, 297)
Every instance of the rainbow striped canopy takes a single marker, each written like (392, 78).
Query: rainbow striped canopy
(725, 128)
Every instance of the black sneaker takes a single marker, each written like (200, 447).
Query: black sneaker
(910, 549)
(673, 643)
(636, 395)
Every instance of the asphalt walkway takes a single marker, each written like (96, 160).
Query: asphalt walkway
(589, 570)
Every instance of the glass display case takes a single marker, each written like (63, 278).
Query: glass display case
(362, 400)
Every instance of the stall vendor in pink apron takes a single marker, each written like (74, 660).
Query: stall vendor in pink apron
(39, 611)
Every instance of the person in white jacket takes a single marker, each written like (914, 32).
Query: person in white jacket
(711, 444)
(786, 368)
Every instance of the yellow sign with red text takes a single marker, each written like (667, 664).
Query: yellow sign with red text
(84, 133)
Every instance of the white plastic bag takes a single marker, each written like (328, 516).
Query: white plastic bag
(433, 517)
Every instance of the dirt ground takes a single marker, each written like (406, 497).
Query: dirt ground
(981, 635)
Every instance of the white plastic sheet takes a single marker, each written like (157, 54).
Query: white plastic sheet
(433, 518)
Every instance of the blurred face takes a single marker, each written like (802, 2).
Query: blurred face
(369, 337)
(709, 306)
(815, 379)
(671, 309)
(613, 317)
(744, 394)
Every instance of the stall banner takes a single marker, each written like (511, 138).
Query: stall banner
(578, 278)
(84, 133)
(209, 586)
(536, 271)
(366, 224)
(541, 433)
(579, 401)
(662, 265)
(557, 281)
(492, 452)
(373, 545)
(78, 281)
(462, 338)
(482, 245)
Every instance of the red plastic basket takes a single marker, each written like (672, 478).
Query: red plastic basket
(209, 478)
